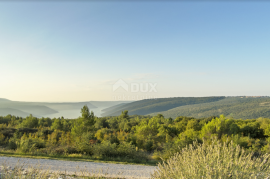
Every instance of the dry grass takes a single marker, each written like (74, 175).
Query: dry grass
(214, 161)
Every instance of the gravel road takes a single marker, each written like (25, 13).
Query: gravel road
(70, 167)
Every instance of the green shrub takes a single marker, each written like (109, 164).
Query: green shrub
(169, 149)
(30, 144)
(105, 149)
(2, 139)
(127, 150)
(30, 122)
(57, 150)
(12, 144)
(123, 150)
(214, 161)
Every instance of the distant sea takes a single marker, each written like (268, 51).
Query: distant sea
(74, 113)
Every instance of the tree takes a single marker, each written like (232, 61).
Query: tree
(30, 122)
(57, 125)
(88, 118)
(84, 123)
(124, 115)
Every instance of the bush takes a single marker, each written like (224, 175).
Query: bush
(123, 150)
(214, 161)
(58, 150)
(12, 144)
(2, 139)
(127, 150)
(169, 149)
(30, 144)
(105, 149)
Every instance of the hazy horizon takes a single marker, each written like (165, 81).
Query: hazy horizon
(125, 101)
(60, 101)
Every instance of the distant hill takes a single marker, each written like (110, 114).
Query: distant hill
(52, 109)
(113, 108)
(38, 109)
(148, 106)
(67, 105)
(15, 112)
(236, 107)
(107, 104)
(27, 108)
(73, 112)
(3, 99)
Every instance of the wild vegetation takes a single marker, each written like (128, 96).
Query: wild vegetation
(137, 139)
(214, 160)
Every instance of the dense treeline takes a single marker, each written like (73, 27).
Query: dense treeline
(136, 138)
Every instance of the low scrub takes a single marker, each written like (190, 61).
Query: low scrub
(216, 160)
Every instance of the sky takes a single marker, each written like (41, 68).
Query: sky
(118, 50)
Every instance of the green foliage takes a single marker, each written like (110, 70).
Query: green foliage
(12, 144)
(101, 123)
(45, 122)
(2, 139)
(57, 125)
(84, 123)
(87, 117)
(219, 126)
(128, 136)
(30, 144)
(83, 144)
(30, 122)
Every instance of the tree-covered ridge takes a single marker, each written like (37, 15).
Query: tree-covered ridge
(237, 107)
(148, 106)
(137, 138)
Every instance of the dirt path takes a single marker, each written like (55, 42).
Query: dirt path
(72, 167)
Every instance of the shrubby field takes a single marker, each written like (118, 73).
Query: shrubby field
(135, 139)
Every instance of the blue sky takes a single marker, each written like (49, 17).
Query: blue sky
(76, 51)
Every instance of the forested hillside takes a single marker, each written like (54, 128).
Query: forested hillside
(125, 137)
(147, 106)
(113, 108)
(236, 107)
